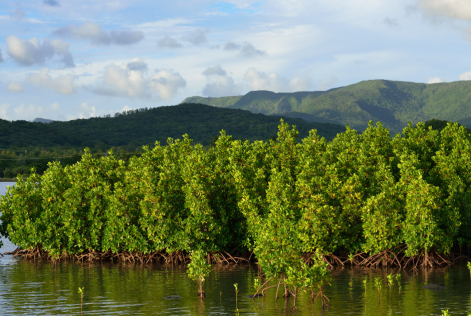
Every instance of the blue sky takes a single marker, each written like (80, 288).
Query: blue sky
(64, 59)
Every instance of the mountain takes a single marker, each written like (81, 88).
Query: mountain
(394, 103)
(145, 126)
(42, 120)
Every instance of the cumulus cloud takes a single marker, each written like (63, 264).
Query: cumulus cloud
(25, 112)
(231, 46)
(29, 52)
(131, 80)
(218, 83)
(214, 71)
(197, 37)
(168, 42)
(137, 65)
(4, 111)
(15, 87)
(51, 3)
(465, 76)
(257, 80)
(61, 84)
(248, 50)
(166, 83)
(86, 111)
(93, 32)
(122, 81)
(452, 9)
(435, 80)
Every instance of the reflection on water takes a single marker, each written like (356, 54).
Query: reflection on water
(42, 288)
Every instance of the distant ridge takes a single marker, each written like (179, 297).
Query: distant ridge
(394, 103)
(136, 128)
(42, 120)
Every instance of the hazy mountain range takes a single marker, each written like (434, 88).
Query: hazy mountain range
(394, 103)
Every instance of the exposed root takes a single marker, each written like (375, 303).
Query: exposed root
(175, 258)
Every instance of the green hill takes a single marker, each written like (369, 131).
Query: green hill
(395, 103)
(145, 126)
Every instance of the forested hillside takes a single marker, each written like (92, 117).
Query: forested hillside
(394, 103)
(146, 126)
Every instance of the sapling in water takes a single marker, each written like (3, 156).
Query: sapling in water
(379, 285)
(80, 291)
(237, 292)
(390, 280)
(398, 279)
(198, 269)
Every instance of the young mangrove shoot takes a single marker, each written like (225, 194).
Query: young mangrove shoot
(198, 270)
(379, 285)
(237, 292)
(80, 291)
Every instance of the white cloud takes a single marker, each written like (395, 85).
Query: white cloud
(434, 80)
(1, 56)
(197, 37)
(168, 42)
(15, 87)
(4, 111)
(231, 46)
(55, 106)
(26, 112)
(123, 81)
(248, 50)
(86, 111)
(465, 76)
(257, 80)
(166, 83)
(214, 71)
(29, 52)
(131, 80)
(452, 9)
(218, 83)
(94, 32)
(61, 84)
(137, 65)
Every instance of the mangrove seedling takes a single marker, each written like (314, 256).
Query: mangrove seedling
(469, 267)
(80, 291)
(198, 269)
(237, 292)
(379, 285)
(351, 257)
(445, 312)
(398, 279)
(390, 280)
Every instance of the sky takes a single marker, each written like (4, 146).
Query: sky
(69, 59)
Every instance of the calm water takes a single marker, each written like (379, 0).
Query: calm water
(28, 288)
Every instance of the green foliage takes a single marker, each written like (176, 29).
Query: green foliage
(198, 269)
(280, 199)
